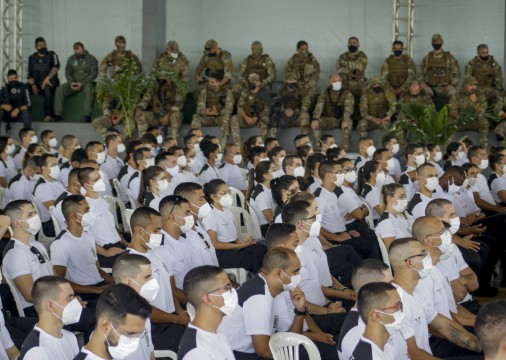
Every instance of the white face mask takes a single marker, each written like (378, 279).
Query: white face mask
(452, 188)
(401, 206)
(163, 185)
(446, 245)
(87, 219)
(280, 161)
(181, 161)
(226, 200)
(192, 161)
(465, 184)
(299, 171)
(461, 155)
(174, 55)
(173, 171)
(126, 346)
(395, 326)
(370, 150)
(53, 142)
(34, 139)
(427, 266)
(294, 282)
(263, 159)
(149, 162)
(438, 156)
(390, 164)
(101, 157)
(155, 240)
(315, 228)
(395, 148)
(350, 177)
(54, 172)
(219, 157)
(319, 217)
(230, 302)
(10, 149)
(121, 148)
(36, 178)
(82, 190)
(432, 183)
(99, 186)
(196, 148)
(380, 178)
(149, 290)
(71, 312)
(472, 181)
(159, 139)
(237, 159)
(339, 180)
(34, 224)
(454, 225)
(188, 223)
(336, 86)
(204, 210)
(483, 164)
(419, 159)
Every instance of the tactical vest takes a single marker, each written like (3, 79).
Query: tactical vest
(291, 100)
(437, 71)
(397, 70)
(41, 66)
(334, 104)
(118, 58)
(412, 99)
(217, 99)
(15, 94)
(483, 71)
(216, 64)
(377, 104)
(353, 75)
(299, 63)
(257, 65)
(253, 105)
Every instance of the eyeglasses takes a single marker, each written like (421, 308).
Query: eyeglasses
(422, 254)
(131, 336)
(36, 251)
(397, 307)
(178, 199)
(226, 288)
(311, 218)
(337, 172)
(439, 234)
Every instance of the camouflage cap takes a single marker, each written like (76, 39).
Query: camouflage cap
(470, 80)
(253, 77)
(172, 46)
(119, 38)
(291, 76)
(437, 37)
(374, 80)
(211, 43)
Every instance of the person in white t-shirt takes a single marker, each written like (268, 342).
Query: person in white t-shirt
(56, 306)
(390, 142)
(113, 163)
(415, 157)
(154, 186)
(121, 324)
(277, 154)
(312, 175)
(229, 169)
(497, 179)
(428, 183)
(370, 179)
(260, 196)
(209, 291)
(380, 308)
(434, 156)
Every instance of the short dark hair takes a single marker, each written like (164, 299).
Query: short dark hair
(142, 217)
(369, 270)
(13, 209)
(326, 167)
(46, 287)
(79, 155)
(295, 211)
(435, 207)
(473, 150)
(398, 42)
(84, 175)
(278, 234)
(69, 205)
(184, 189)
(490, 326)
(111, 137)
(372, 296)
(199, 281)
(45, 133)
(39, 39)
(12, 72)
(277, 258)
(117, 301)
(171, 202)
(128, 265)
(44, 158)
(24, 131)
(301, 43)
(77, 45)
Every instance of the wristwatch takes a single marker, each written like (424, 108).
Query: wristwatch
(301, 313)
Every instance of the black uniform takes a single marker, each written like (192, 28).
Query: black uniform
(16, 94)
(38, 69)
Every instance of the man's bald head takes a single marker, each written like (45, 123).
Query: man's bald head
(425, 226)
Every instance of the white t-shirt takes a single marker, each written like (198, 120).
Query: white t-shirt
(314, 248)
(208, 173)
(124, 175)
(367, 350)
(482, 188)
(203, 249)
(134, 185)
(78, 255)
(315, 185)
(88, 355)
(452, 266)
(221, 222)
(20, 188)
(104, 229)
(111, 166)
(182, 177)
(433, 291)
(8, 169)
(19, 260)
(497, 183)
(261, 200)
(347, 201)
(309, 279)
(332, 220)
(18, 158)
(232, 175)
(406, 182)
(392, 226)
(40, 345)
(198, 344)
(371, 194)
(464, 203)
(5, 339)
(46, 191)
(418, 204)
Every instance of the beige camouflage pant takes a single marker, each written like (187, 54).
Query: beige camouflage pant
(237, 122)
(148, 118)
(364, 126)
(301, 120)
(101, 124)
(223, 121)
(327, 123)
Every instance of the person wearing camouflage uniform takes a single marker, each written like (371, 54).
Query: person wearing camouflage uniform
(398, 70)
(253, 109)
(377, 106)
(214, 60)
(351, 65)
(214, 107)
(307, 69)
(81, 71)
(415, 94)
(471, 96)
(292, 109)
(165, 101)
(333, 110)
(259, 63)
(500, 112)
(439, 71)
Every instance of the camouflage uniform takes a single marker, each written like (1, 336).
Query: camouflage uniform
(165, 101)
(333, 110)
(439, 72)
(221, 63)
(421, 98)
(500, 129)
(375, 105)
(103, 122)
(307, 70)
(223, 100)
(253, 105)
(461, 101)
(351, 66)
(488, 74)
(257, 63)
(398, 72)
(295, 100)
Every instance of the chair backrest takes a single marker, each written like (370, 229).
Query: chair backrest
(237, 196)
(384, 251)
(257, 233)
(133, 203)
(2, 193)
(285, 346)
(191, 311)
(369, 219)
(162, 354)
(115, 185)
(128, 215)
(15, 295)
(242, 214)
(112, 201)
(56, 224)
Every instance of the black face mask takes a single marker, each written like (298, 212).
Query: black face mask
(42, 51)
(352, 48)
(292, 86)
(377, 89)
(13, 83)
(397, 53)
(437, 46)
(211, 54)
(484, 58)
(252, 85)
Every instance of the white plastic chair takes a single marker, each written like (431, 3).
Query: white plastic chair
(112, 201)
(238, 197)
(384, 251)
(2, 193)
(43, 239)
(121, 204)
(133, 203)
(241, 213)
(369, 219)
(57, 228)
(191, 311)
(285, 346)
(165, 354)
(128, 216)
(15, 295)
(257, 232)
(240, 274)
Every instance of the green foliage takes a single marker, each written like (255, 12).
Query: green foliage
(129, 86)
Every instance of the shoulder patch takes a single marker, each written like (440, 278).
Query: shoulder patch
(417, 198)
(188, 342)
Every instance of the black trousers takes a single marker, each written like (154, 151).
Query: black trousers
(24, 116)
(342, 260)
(249, 258)
(48, 228)
(472, 306)
(48, 94)
(167, 336)
(442, 348)
(330, 323)
(19, 327)
(108, 261)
